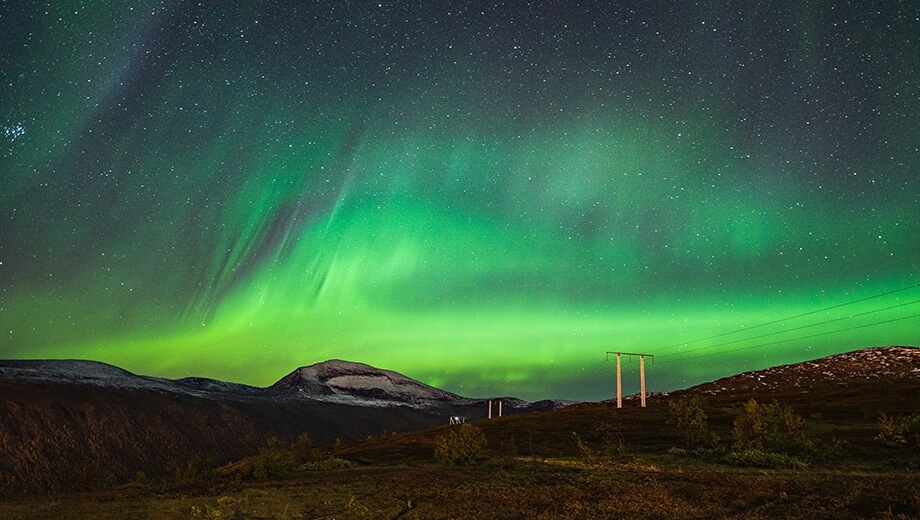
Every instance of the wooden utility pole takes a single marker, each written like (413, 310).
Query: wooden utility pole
(642, 378)
(499, 401)
(620, 377)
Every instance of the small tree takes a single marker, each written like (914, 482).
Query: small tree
(273, 459)
(586, 452)
(768, 427)
(748, 429)
(272, 445)
(303, 449)
(463, 446)
(688, 416)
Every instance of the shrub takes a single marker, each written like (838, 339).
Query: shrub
(140, 478)
(768, 436)
(586, 452)
(463, 446)
(770, 427)
(764, 459)
(192, 470)
(273, 459)
(272, 445)
(611, 436)
(303, 449)
(898, 431)
(227, 507)
(509, 449)
(678, 452)
(688, 416)
(326, 464)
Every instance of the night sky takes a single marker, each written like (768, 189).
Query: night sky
(485, 196)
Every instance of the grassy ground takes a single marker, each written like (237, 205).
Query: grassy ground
(655, 487)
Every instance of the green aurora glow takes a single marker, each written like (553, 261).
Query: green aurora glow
(235, 192)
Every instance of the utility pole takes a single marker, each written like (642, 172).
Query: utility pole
(620, 377)
(499, 401)
(642, 379)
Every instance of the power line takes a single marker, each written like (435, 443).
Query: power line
(865, 325)
(809, 313)
(707, 347)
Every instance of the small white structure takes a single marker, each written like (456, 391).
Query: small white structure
(456, 419)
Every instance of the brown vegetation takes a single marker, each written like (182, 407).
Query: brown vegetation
(77, 437)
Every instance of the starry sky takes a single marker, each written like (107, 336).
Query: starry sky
(485, 196)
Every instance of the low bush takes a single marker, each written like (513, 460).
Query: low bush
(763, 459)
(326, 464)
(276, 458)
(770, 428)
(899, 431)
(226, 508)
(463, 446)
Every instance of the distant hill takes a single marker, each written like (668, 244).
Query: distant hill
(70, 424)
(878, 364)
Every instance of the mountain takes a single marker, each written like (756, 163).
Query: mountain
(213, 386)
(95, 373)
(74, 371)
(359, 384)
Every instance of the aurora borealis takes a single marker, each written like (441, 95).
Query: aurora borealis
(485, 196)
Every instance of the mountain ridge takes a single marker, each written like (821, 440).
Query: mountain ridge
(335, 381)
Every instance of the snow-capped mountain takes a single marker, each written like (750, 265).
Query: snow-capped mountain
(76, 371)
(356, 383)
(82, 372)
